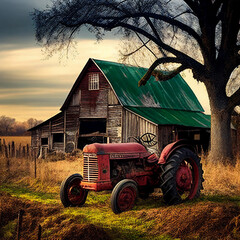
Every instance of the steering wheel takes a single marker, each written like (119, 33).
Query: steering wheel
(148, 139)
(136, 139)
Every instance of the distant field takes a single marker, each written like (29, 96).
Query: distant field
(23, 140)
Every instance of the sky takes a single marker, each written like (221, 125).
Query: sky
(34, 86)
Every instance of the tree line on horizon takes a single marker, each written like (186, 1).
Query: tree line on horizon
(10, 127)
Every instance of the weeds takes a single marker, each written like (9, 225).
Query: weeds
(7, 232)
(221, 179)
(145, 221)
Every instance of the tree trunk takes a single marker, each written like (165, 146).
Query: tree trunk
(221, 140)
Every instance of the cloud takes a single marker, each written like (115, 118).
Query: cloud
(16, 25)
(29, 82)
(36, 100)
(15, 81)
(29, 85)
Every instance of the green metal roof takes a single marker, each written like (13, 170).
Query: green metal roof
(170, 102)
(172, 94)
(173, 117)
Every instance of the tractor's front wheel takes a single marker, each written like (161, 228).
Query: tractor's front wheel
(71, 192)
(182, 177)
(123, 196)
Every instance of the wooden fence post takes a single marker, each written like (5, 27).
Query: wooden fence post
(13, 149)
(19, 226)
(39, 232)
(35, 165)
(20, 150)
(9, 149)
(27, 151)
(24, 151)
(7, 157)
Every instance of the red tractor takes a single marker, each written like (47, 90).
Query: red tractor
(131, 170)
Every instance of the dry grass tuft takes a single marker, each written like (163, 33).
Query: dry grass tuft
(50, 172)
(221, 179)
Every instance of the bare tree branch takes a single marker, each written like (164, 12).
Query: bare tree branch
(144, 44)
(161, 76)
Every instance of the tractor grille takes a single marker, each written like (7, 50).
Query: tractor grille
(90, 167)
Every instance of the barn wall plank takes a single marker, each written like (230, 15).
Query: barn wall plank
(135, 126)
(114, 124)
(165, 136)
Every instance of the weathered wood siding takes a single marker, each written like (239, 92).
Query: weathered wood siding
(114, 124)
(72, 118)
(165, 136)
(71, 128)
(134, 126)
(44, 131)
(112, 100)
(35, 138)
(56, 125)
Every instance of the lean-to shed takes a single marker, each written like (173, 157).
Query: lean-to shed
(105, 104)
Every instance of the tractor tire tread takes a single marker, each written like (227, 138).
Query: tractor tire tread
(168, 176)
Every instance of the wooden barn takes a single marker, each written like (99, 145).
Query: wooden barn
(106, 105)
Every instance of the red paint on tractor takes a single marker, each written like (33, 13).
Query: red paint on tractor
(99, 186)
(103, 168)
(184, 177)
(170, 148)
(195, 178)
(126, 198)
(116, 148)
(165, 152)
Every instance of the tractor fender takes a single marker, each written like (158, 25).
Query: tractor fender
(172, 147)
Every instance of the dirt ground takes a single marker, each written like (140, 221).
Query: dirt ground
(197, 221)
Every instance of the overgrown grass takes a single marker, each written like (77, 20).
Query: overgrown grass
(30, 194)
(221, 179)
(96, 211)
(222, 185)
(8, 231)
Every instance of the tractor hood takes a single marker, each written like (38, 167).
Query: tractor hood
(118, 149)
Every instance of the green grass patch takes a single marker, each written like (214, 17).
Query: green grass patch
(9, 230)
(98, 198)
(126, 225)
(220, 199)
(29, 194)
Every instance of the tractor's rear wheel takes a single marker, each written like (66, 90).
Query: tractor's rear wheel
(71, 192)
(123, 196)
(182, 177)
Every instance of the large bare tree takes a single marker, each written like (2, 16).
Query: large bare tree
(201, 35)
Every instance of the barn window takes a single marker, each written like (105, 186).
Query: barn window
(93, 125)
(93, 81)
(58, 137)
(44, 141)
